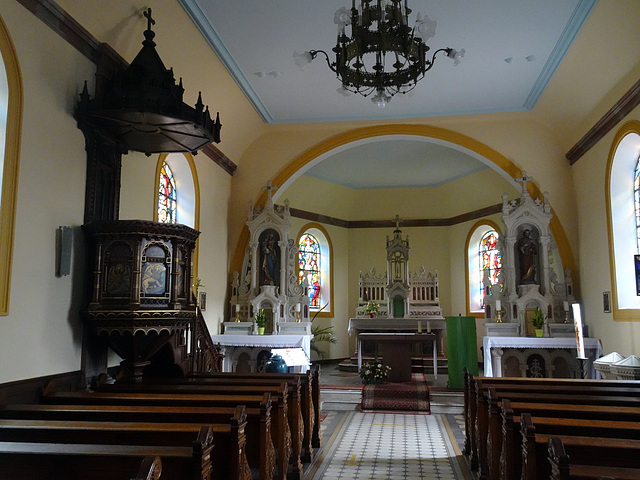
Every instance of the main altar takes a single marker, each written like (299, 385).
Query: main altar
(404, 302)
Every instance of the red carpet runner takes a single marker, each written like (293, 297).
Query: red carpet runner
(411, 396)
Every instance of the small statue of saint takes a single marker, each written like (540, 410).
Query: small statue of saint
(527, 253)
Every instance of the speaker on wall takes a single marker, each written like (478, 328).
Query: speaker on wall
(65, 246)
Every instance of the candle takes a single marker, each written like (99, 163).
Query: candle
(577, 321)
(297, 307)
(428, 326)
(566, 306)
(498, 305)
(419, 326)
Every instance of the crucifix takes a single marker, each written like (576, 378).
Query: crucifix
(397, 222)
(523, 180)
(150, 21)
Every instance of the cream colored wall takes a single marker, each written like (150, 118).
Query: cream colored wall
(42, 333)
(589, 176)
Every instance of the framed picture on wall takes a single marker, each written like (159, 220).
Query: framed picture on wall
(203, 301)
(606, 302)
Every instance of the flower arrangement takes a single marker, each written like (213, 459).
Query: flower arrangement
(371, 308)
(374, 371)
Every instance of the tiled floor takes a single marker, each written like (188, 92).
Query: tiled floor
(389, 446)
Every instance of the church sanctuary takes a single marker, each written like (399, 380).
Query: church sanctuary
(337, 239)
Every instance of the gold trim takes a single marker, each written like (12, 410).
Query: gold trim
(472, 230)
(318, 226)
(627, 314)
(450, 136)
(11, 163)
(196, 193)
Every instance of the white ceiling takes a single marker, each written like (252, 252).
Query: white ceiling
(256, 41)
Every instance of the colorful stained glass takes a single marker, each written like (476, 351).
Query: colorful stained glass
(490, 259)
(309, 257)
(636, 196)
(167, 196)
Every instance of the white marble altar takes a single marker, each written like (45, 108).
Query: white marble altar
(252, 345)
(497, 349)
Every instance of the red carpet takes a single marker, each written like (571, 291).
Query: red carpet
(411, 396)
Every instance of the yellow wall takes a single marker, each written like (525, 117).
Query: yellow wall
(589, 178)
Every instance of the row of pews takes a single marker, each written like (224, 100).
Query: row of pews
(560, 429)
(225, 426)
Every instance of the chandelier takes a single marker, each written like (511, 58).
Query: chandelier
(383, 56)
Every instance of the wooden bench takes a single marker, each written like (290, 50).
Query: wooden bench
(260, 444)
(311, 402)
(509, 461)
(229, 460)
(281, 391)
(563, 467)
(477, 417)
(64, 461)
(609, 444)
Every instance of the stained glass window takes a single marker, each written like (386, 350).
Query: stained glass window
(490, 259)
(167, 196)
(636, 196)
(309, 257)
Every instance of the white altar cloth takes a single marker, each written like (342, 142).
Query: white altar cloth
(592, 347)
(265, 341)
(406, 324)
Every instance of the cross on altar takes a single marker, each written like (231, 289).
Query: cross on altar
(523, 180)
(397, 222)
(150, 21)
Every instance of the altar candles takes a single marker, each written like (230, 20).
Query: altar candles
(297, 307)
(498, 305)
(419, 326)
(428, 326)
(566, 306)
(577, 321)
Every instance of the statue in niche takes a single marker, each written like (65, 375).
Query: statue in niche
(527, 254)
(269, 265)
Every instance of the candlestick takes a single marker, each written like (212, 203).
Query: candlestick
(498, 305)
(428, 326)
(237, 313)
(419, 326)
(577, 321)
(566, 306)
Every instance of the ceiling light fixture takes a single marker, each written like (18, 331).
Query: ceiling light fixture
(380, 37)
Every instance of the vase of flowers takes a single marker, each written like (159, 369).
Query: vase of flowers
(538, 321)
(261, 321)
(374, 371)
(371, 309)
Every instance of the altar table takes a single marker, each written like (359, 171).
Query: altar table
(396, 352)
(233, 342)
(494, 348)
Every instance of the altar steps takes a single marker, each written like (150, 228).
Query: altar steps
(418, 365)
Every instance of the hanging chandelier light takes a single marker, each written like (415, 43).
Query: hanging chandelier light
(383, 56)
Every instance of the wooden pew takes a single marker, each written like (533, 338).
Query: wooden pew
(510, 461)
(470, 400)
(260, 451)
(64, 461)
(150, 469)
(281, 391)
(616, 445)
(309, 395)
(481, 450)
(565, 468)
(228, 457)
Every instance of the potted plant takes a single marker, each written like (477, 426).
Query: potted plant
(374, 371)
(261, 321)
(538, 321)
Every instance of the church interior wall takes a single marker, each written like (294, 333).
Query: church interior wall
(42, 333)
(589, 177)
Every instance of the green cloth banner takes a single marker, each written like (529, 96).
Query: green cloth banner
(461, 349)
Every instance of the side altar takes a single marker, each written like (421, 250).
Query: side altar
(529, 330)
(268, 283)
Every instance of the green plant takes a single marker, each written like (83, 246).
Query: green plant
(261, 318)
(374, 371)
(321, 334)
(538, 319)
